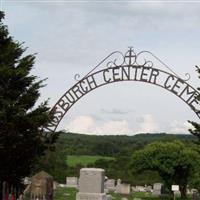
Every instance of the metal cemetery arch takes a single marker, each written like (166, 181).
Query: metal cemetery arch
(129, 69)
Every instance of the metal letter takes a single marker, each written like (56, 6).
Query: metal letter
(166, 82)
(154, 74)
(90, 82)
(104, 76)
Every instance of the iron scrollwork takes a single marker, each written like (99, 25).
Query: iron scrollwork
(131, 58)
(125, 67)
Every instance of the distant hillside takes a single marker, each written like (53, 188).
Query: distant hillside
(112, 153)
(114, 145)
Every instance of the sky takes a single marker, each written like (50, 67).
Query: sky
(72, 37)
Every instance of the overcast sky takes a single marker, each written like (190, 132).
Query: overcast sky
(72, 37)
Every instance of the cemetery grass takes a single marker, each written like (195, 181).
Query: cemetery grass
(63, 193)
(144, 196)
(84, 160)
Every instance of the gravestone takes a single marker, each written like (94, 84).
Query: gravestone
(91, 184)
(72, 182)
(41, 186)
(140, 188)
(55, 185)
(157, 189)
(175, 189)
(122, 188)
(119, 181)
(134, 189)
(26, 181)
(195, 195)
(118, 186)
(149, 188)
(110, 184)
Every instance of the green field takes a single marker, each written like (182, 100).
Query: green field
(84, 160)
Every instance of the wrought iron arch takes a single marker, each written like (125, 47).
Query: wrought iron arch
(130, 68)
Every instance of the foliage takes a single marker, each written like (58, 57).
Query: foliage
(114, 145)
(85, 160)
(54, 162)
(21, 140)
(74, 145)
(172, 160)
(196, 126)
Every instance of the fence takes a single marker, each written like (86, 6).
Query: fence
(9, 191)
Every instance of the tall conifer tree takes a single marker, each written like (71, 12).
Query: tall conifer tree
(21, 140)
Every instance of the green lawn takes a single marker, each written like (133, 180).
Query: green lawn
(73, 160)
(65, 193)
(70, 194)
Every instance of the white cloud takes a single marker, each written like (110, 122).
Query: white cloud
(79, 35)
(147, 124)
(179, 127)
(113, 128)
(81, 124)
(87, 125)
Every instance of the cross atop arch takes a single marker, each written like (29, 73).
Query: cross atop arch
(126, 71)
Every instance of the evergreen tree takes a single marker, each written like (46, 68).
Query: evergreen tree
(196, 130)
(21, 138)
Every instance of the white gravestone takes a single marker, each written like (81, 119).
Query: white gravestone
(72, 182)
(122, 188)
(157, 189)
(110, 184)
(118, 186)
(175, 189)
(91, 184)
(140, 188)
(149, 188)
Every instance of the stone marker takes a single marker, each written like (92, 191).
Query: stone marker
(55, 185)
(62, 185)
(110, 184)
(133, 189)
(91, 184)
(119, 181)
(118, 186)
(26, 181)
(41, 186)
(195, 194)
(72, 182)
(149, 188)
(140, 188)
(157, 189)
(122, 188)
